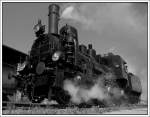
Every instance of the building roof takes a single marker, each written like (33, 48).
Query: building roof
(12, 56)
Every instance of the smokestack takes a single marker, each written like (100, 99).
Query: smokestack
(53, 18)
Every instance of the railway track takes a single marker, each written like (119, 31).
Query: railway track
(29, 105)
(12, 108)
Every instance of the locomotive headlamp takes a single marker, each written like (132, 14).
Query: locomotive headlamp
(56, 56)
(37, 28)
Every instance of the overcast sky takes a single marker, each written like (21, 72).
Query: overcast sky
(117, 27)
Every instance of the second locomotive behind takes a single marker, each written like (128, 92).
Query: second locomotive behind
(57, 56)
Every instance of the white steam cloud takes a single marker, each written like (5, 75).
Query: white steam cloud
(71, 12)
(83, 94)
(80, 94)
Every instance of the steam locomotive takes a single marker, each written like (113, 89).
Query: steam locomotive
(57, 56)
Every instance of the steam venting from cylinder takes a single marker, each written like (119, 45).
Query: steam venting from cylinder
(53, 19)
(84, 93)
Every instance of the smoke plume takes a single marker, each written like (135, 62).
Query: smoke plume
(72, 13)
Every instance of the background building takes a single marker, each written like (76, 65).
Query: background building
(10, 58)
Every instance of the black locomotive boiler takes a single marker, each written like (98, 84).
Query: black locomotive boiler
(57, 56)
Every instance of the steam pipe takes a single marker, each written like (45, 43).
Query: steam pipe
(53, 19)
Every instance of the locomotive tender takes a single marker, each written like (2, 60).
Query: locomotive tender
(57, 56)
